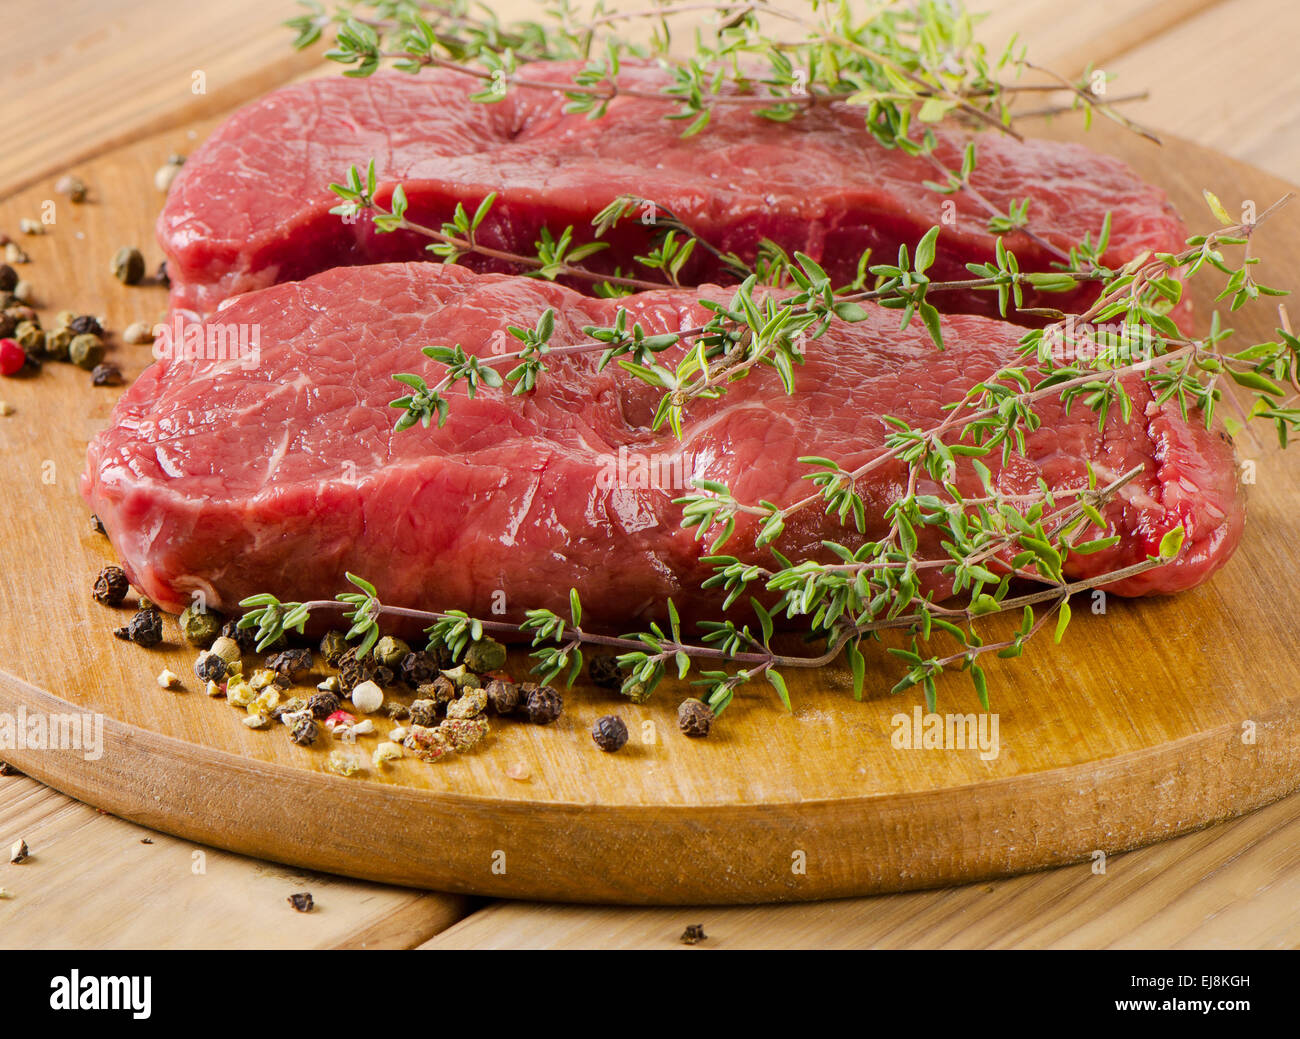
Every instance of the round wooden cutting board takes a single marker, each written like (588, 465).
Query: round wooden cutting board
(1151, 719)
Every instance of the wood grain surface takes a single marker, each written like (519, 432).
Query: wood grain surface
(1134, 33)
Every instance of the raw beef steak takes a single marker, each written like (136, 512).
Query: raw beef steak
(281, 471)
(251, 206)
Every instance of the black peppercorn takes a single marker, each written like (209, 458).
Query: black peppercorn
(86, 325)
(693, 935)
(8, 278)
(543, 705)
(605, 672)
(106, 375)
(609, 733)
(111, 586)
(304, 732)
(354, 670)
(503, 697)
(210, 667)
(418, 668)
(694, 717)
(302, 901)
(144, 629)
(245, 638)
(322, 705)
(290, 663)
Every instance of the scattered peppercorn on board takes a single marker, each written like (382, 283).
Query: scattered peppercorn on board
(1156, 718)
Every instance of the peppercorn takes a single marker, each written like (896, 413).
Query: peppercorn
(290, 662)
(383, 676)
(111, 586)
(485, 655)
(322, 705)
(86, 351)
(418, 668)
(693, 935)
(228, 649)
(637, 692)
(24, 293)
(7, 325)
(694, 717)
(396, 710)
(128, 265)
(85, 325)
(244, 638)
(441, 690)
(106, 375)
(461, 677)
(605, 672)
(13, 358)
(424, 712)
(471, 704)
(137, 333)
(58, 343)
(463, 734)
(304, 732)
(200, 627)
(543, 705)
(8, 278)
(503, 697)
(426, 744)
(30, 338)
(73, 187)
(609, 733)
(389, 651)
(144, 629)
(302, 901)
(353, 670)
(332, 647)
(210, 667)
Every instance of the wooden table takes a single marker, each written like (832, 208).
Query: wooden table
(94, 74)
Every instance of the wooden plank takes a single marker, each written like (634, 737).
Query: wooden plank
(1069, 37)
(92, 882)
(1234, 886)
(1227, 79)
(92, 74)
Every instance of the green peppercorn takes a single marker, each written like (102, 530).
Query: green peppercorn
(200, 627)
(389, 651)
(485, 655)
(86, 351)
(635, 691)
(30, 338)
(462, 678)
(58, 343)
(332, 647)
(128, 265)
